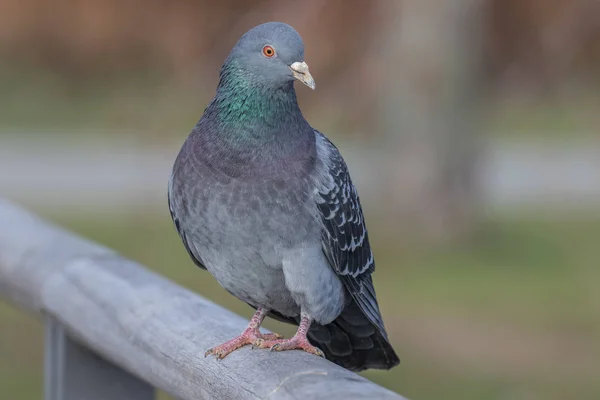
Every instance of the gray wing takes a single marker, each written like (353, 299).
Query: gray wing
(344, 235)
(173, 207)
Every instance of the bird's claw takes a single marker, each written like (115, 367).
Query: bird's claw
(271, 336)
(212, 351)
(307, 348)
(259, 342)
(319, 352)
(251, 337)
(295, 343)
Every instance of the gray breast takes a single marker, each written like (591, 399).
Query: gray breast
(241, 228)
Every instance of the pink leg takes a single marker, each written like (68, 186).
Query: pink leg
(251, 335)
(297, 342)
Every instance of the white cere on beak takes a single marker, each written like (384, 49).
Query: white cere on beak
(300, 72)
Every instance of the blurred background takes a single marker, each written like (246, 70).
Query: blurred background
(471, 128)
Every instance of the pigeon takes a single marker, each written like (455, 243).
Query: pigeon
(265, 203)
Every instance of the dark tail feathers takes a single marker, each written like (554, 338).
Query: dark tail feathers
(353, 342)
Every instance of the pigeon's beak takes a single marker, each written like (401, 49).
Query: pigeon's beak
(300, 72)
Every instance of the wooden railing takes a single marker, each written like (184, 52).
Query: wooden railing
(117, 331)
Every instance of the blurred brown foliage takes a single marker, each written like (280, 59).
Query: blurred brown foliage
(537, 42)
(90, 36)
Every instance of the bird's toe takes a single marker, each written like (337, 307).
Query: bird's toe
(209, 352)
(271, 336)
(295, 343)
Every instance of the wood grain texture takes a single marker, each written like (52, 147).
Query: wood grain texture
(150, 326)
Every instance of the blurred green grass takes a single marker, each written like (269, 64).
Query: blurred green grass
(513, 314)
(34, 100)
(150, 104)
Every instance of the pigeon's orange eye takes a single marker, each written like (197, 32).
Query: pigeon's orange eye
(268, 51)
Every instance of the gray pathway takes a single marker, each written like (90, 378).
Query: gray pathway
(44, 171)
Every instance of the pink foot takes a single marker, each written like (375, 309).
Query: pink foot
(249, 336)
(297, 342)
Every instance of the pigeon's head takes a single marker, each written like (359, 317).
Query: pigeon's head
(272, 53)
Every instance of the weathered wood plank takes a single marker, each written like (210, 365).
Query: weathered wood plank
(150, 326)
